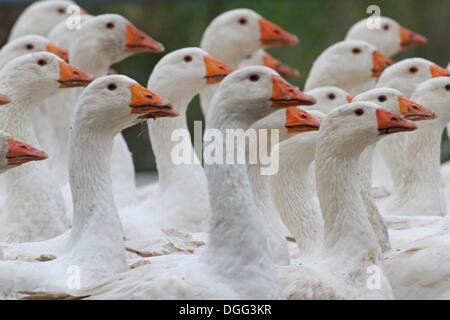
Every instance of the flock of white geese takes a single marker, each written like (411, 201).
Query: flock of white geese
(353, 213)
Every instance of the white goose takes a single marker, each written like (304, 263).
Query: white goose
(341, 269)
(14, 153)
(350, 65)
(235, 263)
(30, 213)
(404, 76)
(40, 17)
(419, 269)
(262, 58)
(235, 34)
(276, 232)
(102, 41)
(107, 106)
(390, 38)
(180, 198)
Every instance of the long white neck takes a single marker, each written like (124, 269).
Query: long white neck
(349, 236)
(419, 192)
(293, 194)
(96, 226)
(236, 248)
(171, 173)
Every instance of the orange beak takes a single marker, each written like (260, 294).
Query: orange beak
(438, 71)
(272, 35)
(409, 39)
(215, 70)
(389, 122)
(379, 63)
(286, 95)
(70, 77)
(149, 104)
(300, 121)
(278, 66)
(138, 41)
(60, 52)
(4, 99)
(349, 99)
(20, 153)
(413, 111)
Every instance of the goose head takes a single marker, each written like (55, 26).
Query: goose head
(328, 98)
(357, 125)
(346, 64)
(253, 93)
(407, 74)
(262, 58)
(39, 75)
(117, 102)
(112, 38)
(41, 17)
(237, 33)
(189, 70)
(390, 38)
(435, 94)
(29, 44)
(394, 101)
(14, 152)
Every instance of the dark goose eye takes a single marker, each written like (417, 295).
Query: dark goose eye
(110, 25)
(29, 46)
(386, 27)
(382, 98)
(359, 112)
(188, 58)
(254, 77)
(331, 96)
(242, 21)
(61, 10)
(356, 50)
(42, 62)
(112, 86)
(413, 70)
(447, 87)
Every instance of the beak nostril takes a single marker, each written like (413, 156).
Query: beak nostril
(276, 31)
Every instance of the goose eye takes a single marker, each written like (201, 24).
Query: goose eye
(248, 57)
(61, 10)
(447, 87)
(112, 86)
(29, 46)
(413, 70)
(386, 27)
(254, 77)
(359, 112)
(110, 25)
(42, 62)
(356, 50)
(382, 98)
(187, 58)
(242, 21)
(331, 96)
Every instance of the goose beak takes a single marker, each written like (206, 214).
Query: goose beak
(349, 99)
(215, 70)
(283, 69)
(410, 39)
(413, 111)
(272, 35)
(437, 71)
(379, 63)
(20, 153)
(300, 121)
(138, 41)
(286, 95)
(149, 104)
(70, 77)
(60, 52)
(389, 122)
(4, 99)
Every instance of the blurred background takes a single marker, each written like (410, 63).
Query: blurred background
(318, 23)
